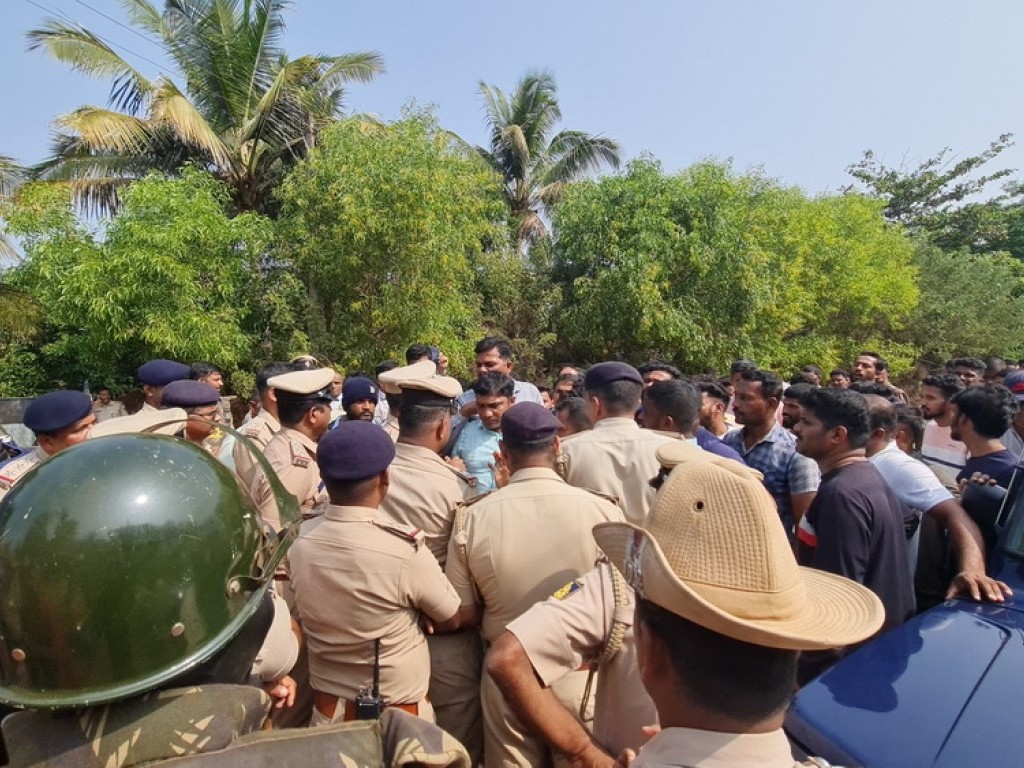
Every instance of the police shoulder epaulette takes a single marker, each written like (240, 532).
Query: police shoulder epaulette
(475, 499)
(408, 532)
(300, 456)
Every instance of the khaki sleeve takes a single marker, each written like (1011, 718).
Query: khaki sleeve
(280, 649)
(458, 572)
(569, 627)
(265, 502)
(429, 588)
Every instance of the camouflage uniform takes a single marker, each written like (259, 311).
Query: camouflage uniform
(218, 725)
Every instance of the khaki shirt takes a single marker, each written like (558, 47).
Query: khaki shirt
(391, 427)
(523, 542)
(13, 470)
(356, 576)
(572, 627)
(112, 410)
(293, 457)
(424, 493)
(616, 457)
(689, 747)
(259, 431)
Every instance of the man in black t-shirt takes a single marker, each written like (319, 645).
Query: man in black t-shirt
(981, 414)
(855, 526)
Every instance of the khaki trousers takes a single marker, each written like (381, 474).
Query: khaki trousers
(455, 665)
(507, 742)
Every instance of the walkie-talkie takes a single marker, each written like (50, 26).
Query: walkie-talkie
(369, 704)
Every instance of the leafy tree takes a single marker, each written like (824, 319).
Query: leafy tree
(382, 224)
(12, 176)
(534, 165)
(172, 276)
(936, 199)
(707, 265)
(246, 111)
(970, 305)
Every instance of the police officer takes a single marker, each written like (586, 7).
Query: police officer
(174, 688)
(304, 406)
(616, 457)
(388, 381)
(262, 427)
(587, 621)
(196, 399)
(424, 493)
(157, 374)
(58, 419)
(361, 581)
(517, 545)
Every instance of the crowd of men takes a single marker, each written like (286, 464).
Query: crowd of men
(480, 555)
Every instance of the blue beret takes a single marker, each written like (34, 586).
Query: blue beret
(357, 388)
(355, 450)
(54, 411)
(186, 393)
(603, 374)
(528, 423)
(160, 373)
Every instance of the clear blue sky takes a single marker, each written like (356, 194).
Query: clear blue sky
(798, 88)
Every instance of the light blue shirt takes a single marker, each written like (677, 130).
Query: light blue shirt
(476, 446)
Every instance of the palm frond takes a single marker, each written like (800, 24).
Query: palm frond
(172, 109)
(102, 130)
(575, 153)
(85, 52)
(12, 175)
(144, 14)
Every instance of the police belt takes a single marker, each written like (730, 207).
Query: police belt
(327, 705)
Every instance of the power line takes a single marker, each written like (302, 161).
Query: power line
(102, 39)
(115, 21)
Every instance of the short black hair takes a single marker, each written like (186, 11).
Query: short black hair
(840, 408)
(494, 384)
(619, 397)
(948, 383)
(384, 366)
(660, 365)
(989, 407)
(974, 363)
(797, 391)
(840, 372)
(576, 407)
(771, 382)
(740, 680)
(804, 377)
(715, 390)
(911, 417)
(873, 388)
(811, 368)
(269, 371)
(675, 398)
(202, 369)
(416, 419)
(742, 366)
(994, 365)
(292, 409)
(499, 343)
(420, 351)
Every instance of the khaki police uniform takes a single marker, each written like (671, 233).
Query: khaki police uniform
(293, 457)
(424, 493)
(521, 543)
(391, 427)
(13, 470)
(617, 458)
(112, 410)
(358, 576)
(260, 430)
(573, 626)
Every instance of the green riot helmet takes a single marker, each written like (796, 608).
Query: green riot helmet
(125, 562)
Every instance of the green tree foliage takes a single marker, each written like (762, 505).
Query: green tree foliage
(382, 224)
(707, 265)
(172, 276)
(533, 164)
(938, 199)
(970, 305)
(245, 110)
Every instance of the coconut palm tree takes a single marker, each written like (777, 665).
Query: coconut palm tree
(245, 110)
(534, 166)
(12, 176)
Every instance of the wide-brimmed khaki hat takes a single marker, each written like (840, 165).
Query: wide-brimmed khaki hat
(714, 551)
(389, 380)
